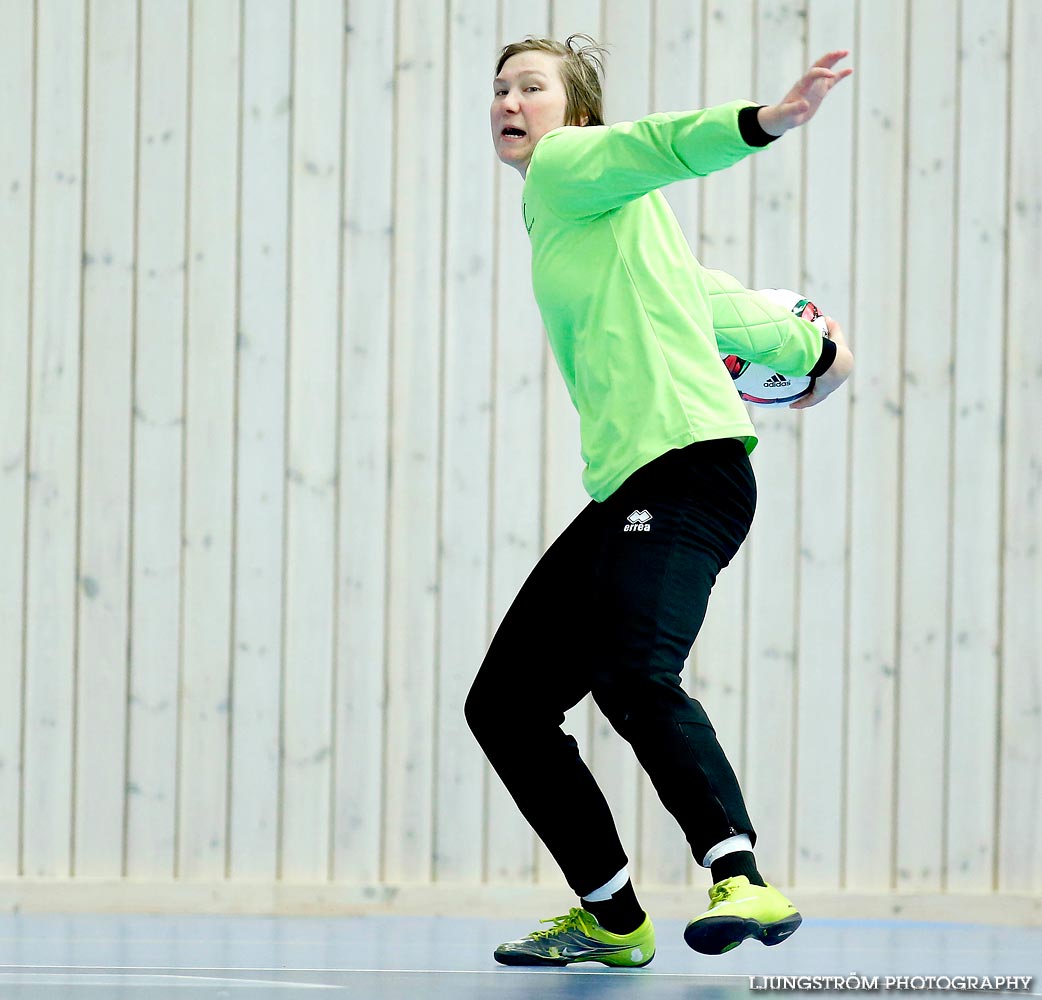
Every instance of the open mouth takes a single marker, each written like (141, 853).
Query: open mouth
(512, 133)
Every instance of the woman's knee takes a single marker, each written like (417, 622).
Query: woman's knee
(526, 707)
(476, 709)
(484, 705)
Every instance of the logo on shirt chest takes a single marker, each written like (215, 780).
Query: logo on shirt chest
(638, 521)
(524, 215)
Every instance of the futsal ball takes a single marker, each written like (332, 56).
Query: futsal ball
(762, 386)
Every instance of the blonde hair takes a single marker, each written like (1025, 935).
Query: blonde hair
(582, 73)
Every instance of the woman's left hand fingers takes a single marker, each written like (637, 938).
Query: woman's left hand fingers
(829, 59)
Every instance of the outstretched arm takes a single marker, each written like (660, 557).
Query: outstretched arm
(584, 172)
(799, 105)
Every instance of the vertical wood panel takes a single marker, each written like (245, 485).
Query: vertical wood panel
(819, 778)
(311, 488)
(926, 413)
(980, 283)
(517, 449)
(16, 92)
(726, 197)
(413, 565)
(773, 542)
(54, 393)
(627, 30)
(105, 418)
(155, 640)
(466, 452)
(260, 442)
(209, 437)
(563, 493)
(875, 417)
(676, 85)
(366, 400)
(1020, 763)
(676, 81)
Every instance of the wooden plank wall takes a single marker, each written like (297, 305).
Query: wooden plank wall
(280, 437)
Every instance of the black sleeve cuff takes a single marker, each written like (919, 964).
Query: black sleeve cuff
(749, 126)
(828, 355)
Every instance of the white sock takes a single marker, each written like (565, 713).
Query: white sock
(609, 888)
(730, 846)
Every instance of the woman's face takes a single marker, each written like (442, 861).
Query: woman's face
(528, 97)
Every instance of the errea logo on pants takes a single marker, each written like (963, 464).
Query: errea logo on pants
(638, 521)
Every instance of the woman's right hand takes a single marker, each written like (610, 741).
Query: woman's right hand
(839, 371)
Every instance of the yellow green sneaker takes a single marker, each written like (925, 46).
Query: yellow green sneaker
(578, 937)
(739, 910)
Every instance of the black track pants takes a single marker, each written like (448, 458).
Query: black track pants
(613, 608)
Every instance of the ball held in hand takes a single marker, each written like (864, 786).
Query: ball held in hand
(762, 386)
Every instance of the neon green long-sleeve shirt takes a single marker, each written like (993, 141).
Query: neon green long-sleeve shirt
(635, 323)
